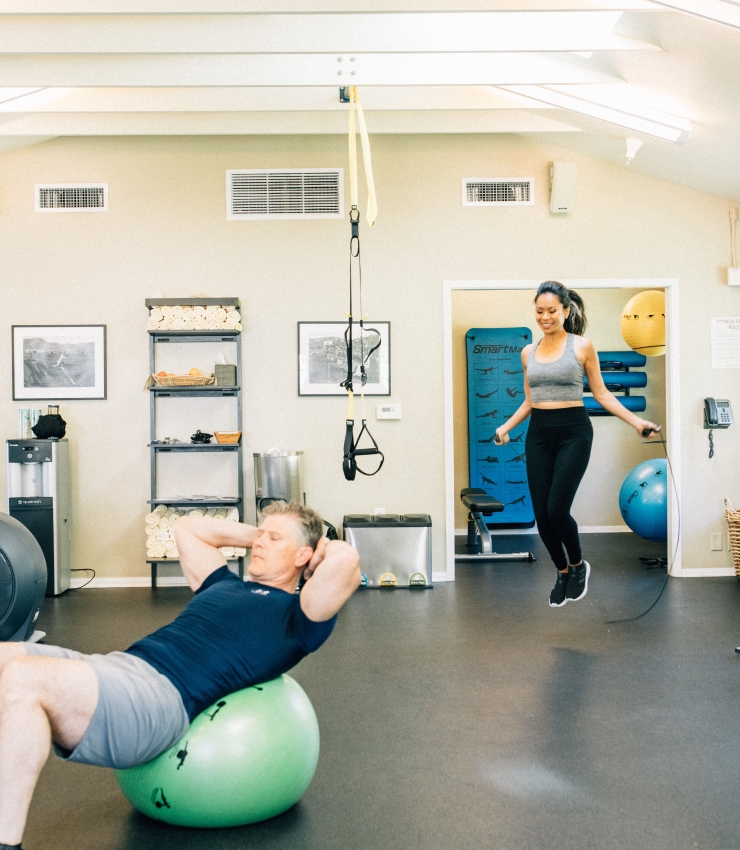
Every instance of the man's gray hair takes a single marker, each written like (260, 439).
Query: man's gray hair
(310, 523)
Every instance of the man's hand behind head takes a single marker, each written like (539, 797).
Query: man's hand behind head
(334, 573)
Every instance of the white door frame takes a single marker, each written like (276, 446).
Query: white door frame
(672, 431)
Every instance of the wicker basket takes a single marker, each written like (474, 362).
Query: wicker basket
(227, 437)
(733, 523)
(184, 380)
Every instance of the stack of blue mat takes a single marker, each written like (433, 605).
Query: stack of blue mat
(615, 370)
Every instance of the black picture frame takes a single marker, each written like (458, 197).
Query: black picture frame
(67, 362)
(322, 358)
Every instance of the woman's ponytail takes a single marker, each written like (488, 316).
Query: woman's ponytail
(575, 321)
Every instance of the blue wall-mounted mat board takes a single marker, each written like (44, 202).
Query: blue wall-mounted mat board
(495, 391)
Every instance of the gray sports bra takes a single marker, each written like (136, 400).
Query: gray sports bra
(561, 380)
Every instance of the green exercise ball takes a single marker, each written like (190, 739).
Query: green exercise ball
(248, 757)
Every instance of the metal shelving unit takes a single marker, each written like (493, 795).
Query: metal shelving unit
(157, 338)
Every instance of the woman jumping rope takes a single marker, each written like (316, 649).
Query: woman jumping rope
(560, 434)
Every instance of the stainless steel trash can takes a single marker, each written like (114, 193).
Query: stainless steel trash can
(278, 477)
(395, 550)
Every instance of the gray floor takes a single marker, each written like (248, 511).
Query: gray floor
(474, 716)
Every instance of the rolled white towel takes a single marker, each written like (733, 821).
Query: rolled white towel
(151, 533)
(200, 323)
(163, 534)
(221, 513)
(238, 327)
(219, 314)
(188, 312)
(211, 311)
(153, 325)
(197, 512)
(239, 552)
(154, 517)
(199, 310)
(169, 544)
(163, 523)
(166, 310)
(155, 552)
(177, 312)
(189, 324)
(233, 515)
(178, 324)
(233, 315)
(173, 554)
(156, 314)
(227, 551)
(211, 512)
(166, 324)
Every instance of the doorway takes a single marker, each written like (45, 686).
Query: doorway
(514, 287)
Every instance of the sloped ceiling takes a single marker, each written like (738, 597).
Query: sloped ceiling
(582, 74)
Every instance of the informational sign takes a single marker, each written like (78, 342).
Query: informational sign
(495, 391)
(726, 343)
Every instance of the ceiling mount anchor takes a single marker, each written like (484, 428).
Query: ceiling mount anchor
(344, 94)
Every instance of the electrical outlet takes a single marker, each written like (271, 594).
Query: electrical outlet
(733, 277)
(716, 542)
(381, 511)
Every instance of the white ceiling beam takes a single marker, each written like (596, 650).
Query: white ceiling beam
(719, 11)
(379, 33)
(261, 99)
(651, 122)
(394, 69)
(209, 7)
(278, 123)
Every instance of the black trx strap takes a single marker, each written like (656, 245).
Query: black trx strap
(351, 445)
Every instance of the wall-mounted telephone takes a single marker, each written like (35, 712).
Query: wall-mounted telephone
(717, 414)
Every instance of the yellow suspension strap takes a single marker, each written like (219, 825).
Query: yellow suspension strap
(351, 445)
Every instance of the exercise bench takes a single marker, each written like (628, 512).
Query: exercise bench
(481, 505)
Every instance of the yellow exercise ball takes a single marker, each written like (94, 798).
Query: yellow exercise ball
(643, 323)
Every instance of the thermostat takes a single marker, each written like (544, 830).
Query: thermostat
(388, 411)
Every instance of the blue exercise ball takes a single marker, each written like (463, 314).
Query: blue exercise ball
(643, 500)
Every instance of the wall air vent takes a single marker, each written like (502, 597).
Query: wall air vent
(71, 197)
(491, 192)
(285, 193)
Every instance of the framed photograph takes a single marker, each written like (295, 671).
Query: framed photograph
(58, 361)
(322, 358)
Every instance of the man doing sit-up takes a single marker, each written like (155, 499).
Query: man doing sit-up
(124, 708)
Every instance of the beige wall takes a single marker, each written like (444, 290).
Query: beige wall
(616, 446)
(167, 232)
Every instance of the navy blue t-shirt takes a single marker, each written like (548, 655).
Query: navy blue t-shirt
(232, 635)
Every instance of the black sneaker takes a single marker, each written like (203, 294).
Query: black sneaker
(578, 581)
(558, 596)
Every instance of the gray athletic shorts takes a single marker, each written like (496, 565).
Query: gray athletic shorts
(139, 714)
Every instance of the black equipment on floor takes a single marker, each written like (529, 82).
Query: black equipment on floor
(481, 505)
(22, 580)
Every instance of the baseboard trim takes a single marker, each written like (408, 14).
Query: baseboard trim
(582, 529)
(708, 572)
(136, 581)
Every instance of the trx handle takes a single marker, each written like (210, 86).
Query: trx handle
(351, 445)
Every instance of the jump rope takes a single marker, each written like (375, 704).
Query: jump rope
(646, 432)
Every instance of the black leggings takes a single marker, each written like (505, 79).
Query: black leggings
(558, 448)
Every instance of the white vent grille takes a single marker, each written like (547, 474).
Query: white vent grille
(288, 193)
(72, 197)
(490, 192)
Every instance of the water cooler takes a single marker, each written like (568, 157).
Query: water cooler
(38, 497)
(278, 477)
